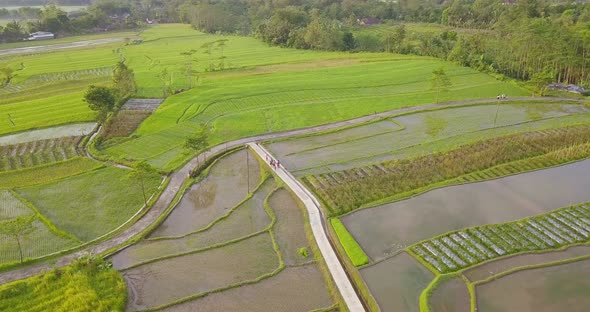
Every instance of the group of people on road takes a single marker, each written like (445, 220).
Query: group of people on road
(275, 164)
(501, 97)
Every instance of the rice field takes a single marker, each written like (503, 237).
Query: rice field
(31, 154)
(348, 190)
(420, 133)
(91, 204)
(451, 295)
(396, 283)
(464, 248)
(555, 288)
(79, 129)
(227, 252)
(39, 241)
(392, 227)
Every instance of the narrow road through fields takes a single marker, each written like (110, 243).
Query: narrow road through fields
(178, 177)
(317, 226)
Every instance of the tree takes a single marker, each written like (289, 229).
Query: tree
(100, 99)
(199, 141)
(18, 229)
(141, 172)
(541, 80)
(124, 79)
(189, 61)
(439, 81)
(7, 75)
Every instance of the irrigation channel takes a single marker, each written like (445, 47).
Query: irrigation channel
(178, 177)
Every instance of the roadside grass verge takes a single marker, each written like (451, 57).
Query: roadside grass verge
(352, 248)
(89, 284)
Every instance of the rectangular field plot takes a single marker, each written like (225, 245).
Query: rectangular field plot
(79, 129)
(451, 296)
(289, 228)
(225, 187)
(292, 290)
(250, 217)
(465, 248)
(31, 154)
(556, 288)
(40, 241)
(397, 283)
(92, 204)
(422, 132)
(486, 270)
(11, 207)
(165, 281)
(388, 228)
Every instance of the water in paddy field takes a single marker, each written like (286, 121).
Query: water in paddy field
(562, 288)
(295, 289)
(410, 135)
(224, 188)
(397, 282)
(165, 281)
(388, 228)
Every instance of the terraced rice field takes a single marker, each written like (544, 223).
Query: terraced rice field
(85, 205)
(71, 130)
(451, 296)
(419, 133)
(224, 249)
(41, 240)
(556, 288)
(457, 250)
(392, 227)
(31, 154)
(396, 283)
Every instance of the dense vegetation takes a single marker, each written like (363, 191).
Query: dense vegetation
(89, 284)
(354, 188)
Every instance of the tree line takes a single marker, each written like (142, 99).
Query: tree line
(532, 40)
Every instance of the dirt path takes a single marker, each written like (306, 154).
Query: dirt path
(59, 46)
(178, 177)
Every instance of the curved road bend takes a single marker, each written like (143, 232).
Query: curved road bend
(315, 219)
(178, 177)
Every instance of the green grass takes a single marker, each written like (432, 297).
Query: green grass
(283, 100)
(91, 204)
(86, 285)
(47, 173)
(301, 88)
(352, 248)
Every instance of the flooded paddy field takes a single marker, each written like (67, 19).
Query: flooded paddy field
(165, 281)
(252, 256)
(557, 288)
(250, 217)
(224, 188)
(502, 265)
(418, 133)
(451, 296)
(294, 289)
(396, 283)
(392, 227)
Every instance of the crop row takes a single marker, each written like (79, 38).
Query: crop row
(461, 249)
(37, 80)
(11, 207)
(30, 154)
(349, 189)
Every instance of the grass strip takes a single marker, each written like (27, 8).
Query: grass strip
(429, 290)
(352, 248)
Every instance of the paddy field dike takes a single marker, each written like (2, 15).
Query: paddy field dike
(430, 206)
